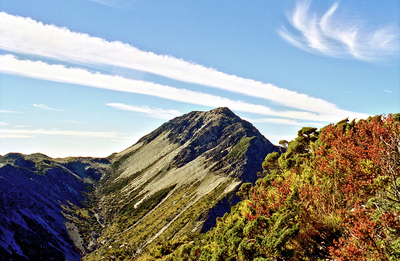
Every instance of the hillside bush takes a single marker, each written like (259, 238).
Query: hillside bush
(334, 194)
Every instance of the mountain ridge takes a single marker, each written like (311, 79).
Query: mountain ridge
(181, 164)
(35, 189)
(173, 182)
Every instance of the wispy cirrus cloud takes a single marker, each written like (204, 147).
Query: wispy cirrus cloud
(25, 35)
(22, 126)
(45, 107)
(60, 73)
(277, 121)
(71, 121)
(151, 112)
(18, 133)
(332, 35)
(14, 136)
(6, 111)
(285, 122)
(276, 138)
(112, 3)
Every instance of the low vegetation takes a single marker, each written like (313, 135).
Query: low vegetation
(334, 194)
(330, 194)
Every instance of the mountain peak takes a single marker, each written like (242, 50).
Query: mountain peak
(212, 134)
(222, 110)
(187, 169)
(184, 127)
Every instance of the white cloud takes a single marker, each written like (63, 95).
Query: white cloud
(59, 73)
(71, 121)
(13, 136)
(152, 112)
(5, 111)
(274, 138)
(22, 126)
(112, 3)
(13, 133)
(3, 123)
(277, 121)
(285, 122)
(24, 35)
(332, 35)
(44, 107)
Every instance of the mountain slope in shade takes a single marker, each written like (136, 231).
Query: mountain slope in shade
(177, 180)
(33, 189)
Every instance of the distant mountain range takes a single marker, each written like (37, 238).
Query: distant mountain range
(173, 182)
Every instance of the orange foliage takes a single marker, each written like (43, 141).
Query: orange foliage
(353, 160)
(360, 237)
(347, 163)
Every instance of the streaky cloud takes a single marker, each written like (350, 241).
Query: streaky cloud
(331, 35)
(25, 35)
(152, 112)
(59, 73)
(19, 133)
(71, 121)
(276, 138)
(285, 122)
(22, 126)
(277, 121)
(111, 3)
(45, 107)
(14, 136)
(6, 111)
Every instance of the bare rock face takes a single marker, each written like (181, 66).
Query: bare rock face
(178, 179)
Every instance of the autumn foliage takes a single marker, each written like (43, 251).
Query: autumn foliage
(333, 194)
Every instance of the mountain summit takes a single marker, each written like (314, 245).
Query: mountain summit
(178, 179)
(215, 134)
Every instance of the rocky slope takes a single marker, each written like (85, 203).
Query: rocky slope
(35, 192)
(173, 182)
(177, 180)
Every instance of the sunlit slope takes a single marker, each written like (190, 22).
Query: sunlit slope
(177, 180)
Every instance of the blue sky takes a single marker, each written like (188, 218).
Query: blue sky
(90, 77)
